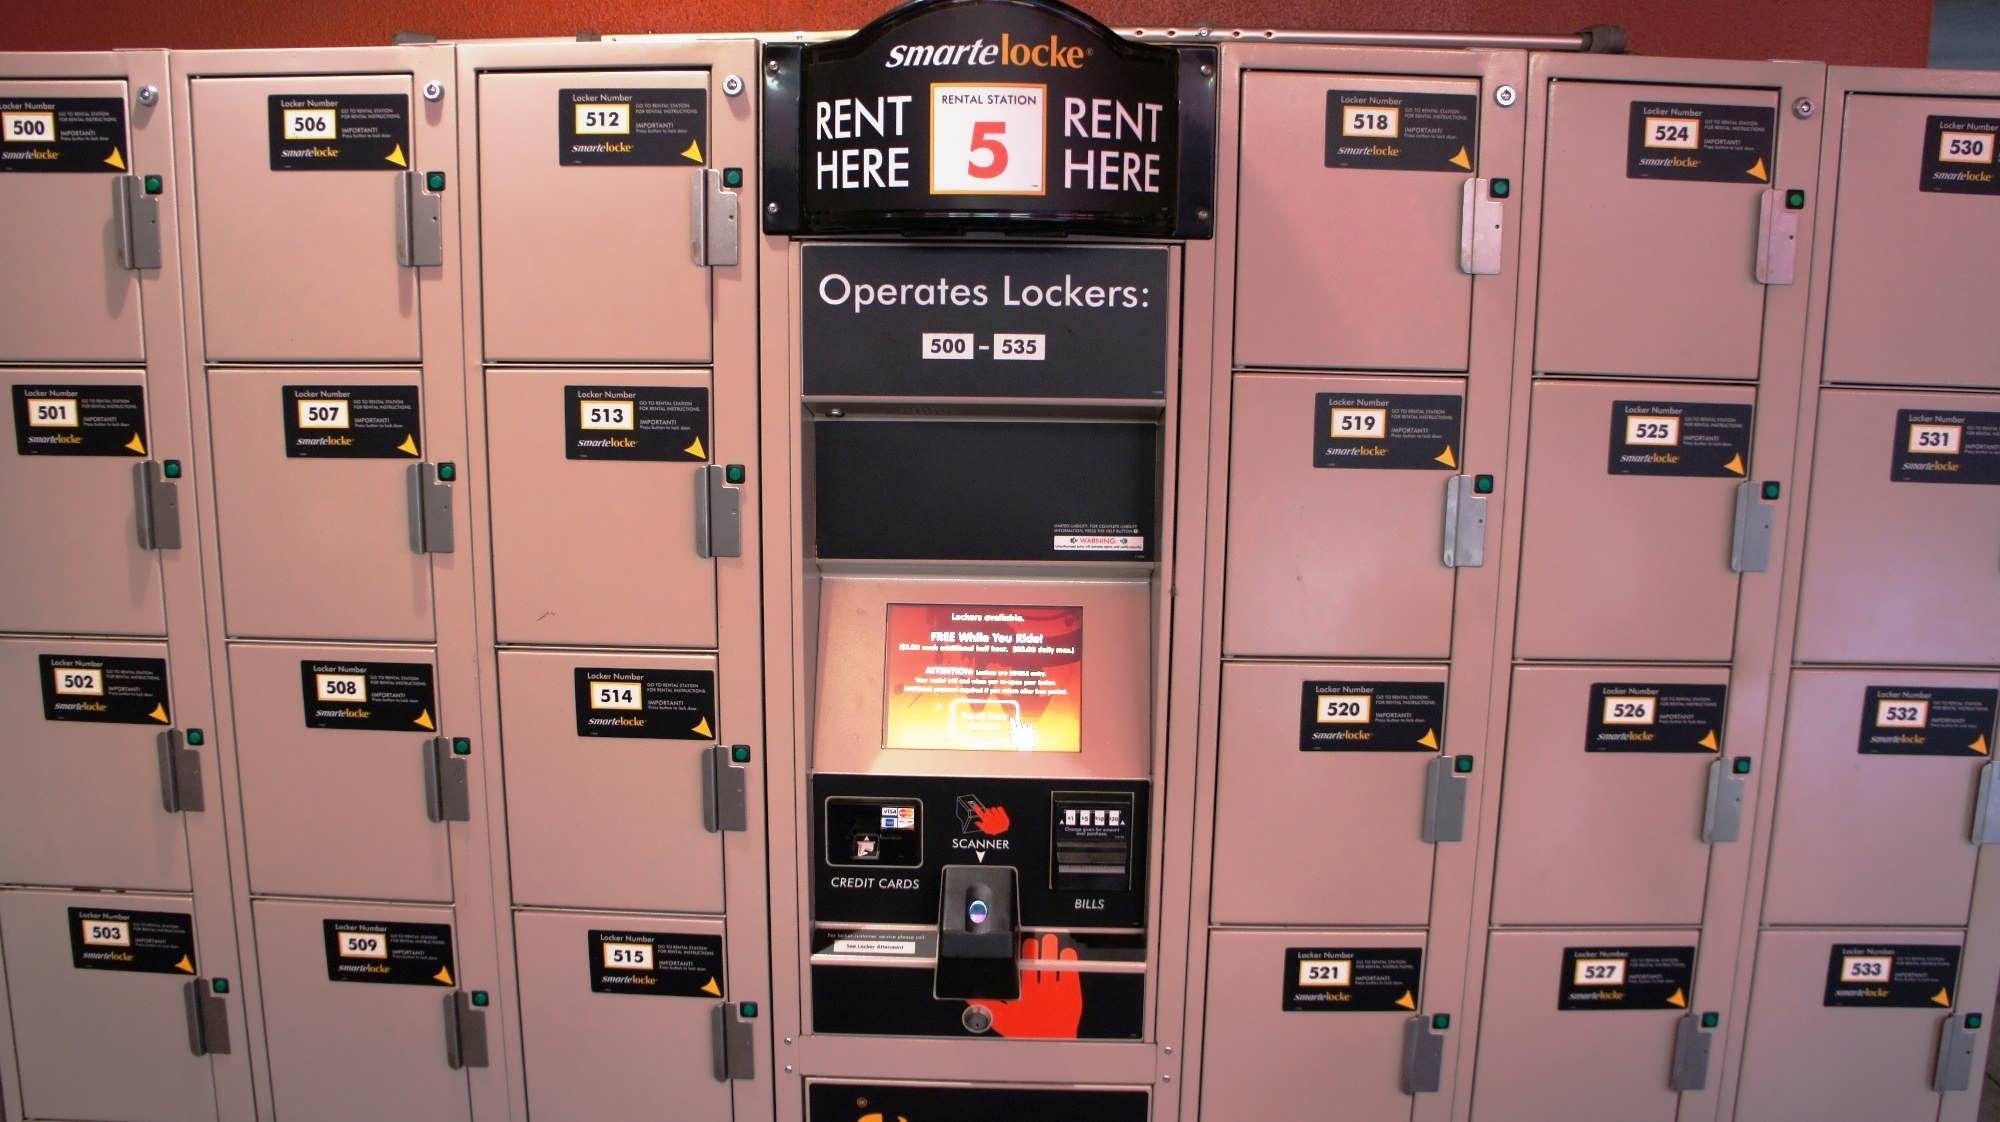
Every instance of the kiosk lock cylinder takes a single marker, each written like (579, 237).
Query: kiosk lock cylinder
(464, 1030)
(718, 512)
(447, 789)
(1465, 506)
(717, 238)
(431, 528)
(1423, 1057)
(1957, 1054)
(725, 789)
(419, 224)
(138, 217)
(207, 1017)
(180, 774)
(734, 1042)
(1692, 1044)
(156, 500)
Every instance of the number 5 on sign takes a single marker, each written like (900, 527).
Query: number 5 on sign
(989, 139)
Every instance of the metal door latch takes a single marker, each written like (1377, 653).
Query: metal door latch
(715, 229)
(725, 791)
(1722, 815)
(180, 774)
(718, 514)
(157, 503)
(1479, 230)
(138, 217)
(1464, 524)
(1777, 238)
(1956, 1055)
(464, 1032)
(208, 1019)
(1445, 789)
(447, 792)
(1692, 1044)
(1750, 547)
(1986, 812)
(430, 511)
(1423, 1057)
(735, 1044)
(419, 224)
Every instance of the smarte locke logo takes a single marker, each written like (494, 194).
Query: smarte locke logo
(1052, 55)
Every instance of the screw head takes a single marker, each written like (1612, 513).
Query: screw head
(771, 208)
(771, 66)
(433, 91)
(149, 94)
(1505, 97)
(1206, 69)
(732, 85)
(1803, 108)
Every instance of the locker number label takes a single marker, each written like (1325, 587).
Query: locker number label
(312, 124)
(1382, 121)
(1655, 717)
(1598, 972)
(607, 415)
(607, 119)
(617, 695)
(1358, 424)
(378, 696)
(1910, 714)
(631, 127)
(393, 954)
(948, 346)
(1352, 979)
(78, 681)
(340, 687)
(1928, 721)
(1609, 979)
(124, 691)
(989, 138)
(628, 956)
(338, 132)
(656, 423)
(134, 942)
(1327, 972)
(644, 702)
(1702, 439)
(1432, 132)
(656, 964)
(79, 420)
(349, 422)
(1958, 155)
(63, 134)
(1701, 143)
(107, 933)
(1965, 147)
(52, 413)
(360, 944)
(1663, 432)
(1349, 710)
(1892, 975)
(1866, 968)
(1946, 446)
(331, 414)
(1351, 716)
(1936, 440)
(1630, 709)
(28, 128)
(1683, 133)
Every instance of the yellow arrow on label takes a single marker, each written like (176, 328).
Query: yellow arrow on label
(1979, 745)
(693, 151)
(1942, 997)
(1709, 742)
(184, 966)
(1408, 1000)
(115, 160)
(443, 975)
(397, 158)
(1463, 159)
(159, 714)
(1758, 173)
(709, 987)
(1677, 999)
(137, 444)
(409, 446)
(703, 728)
(696, 450)
(1429, 739)
(424, 721)
(1735, 464)
(1446, 458)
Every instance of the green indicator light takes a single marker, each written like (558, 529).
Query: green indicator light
(195, 737)
(749, 1010)
(434, 181)
(733, 473)
(479, 998)
(219, 985)
(447, 472)
(171, 469)
(1441, 1022)
(1500, 188)
(1795, 199)
(155, 185)
(732, 177)
(1771, 491)
(1482, 484)
(1710, 1020)
(1974, 1020)
(740, 753)
(1742, 765)
(461, 746)
(1462, 765)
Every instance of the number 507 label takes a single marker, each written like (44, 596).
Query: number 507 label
(988, 138)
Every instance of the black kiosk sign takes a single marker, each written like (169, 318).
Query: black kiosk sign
(952, 115)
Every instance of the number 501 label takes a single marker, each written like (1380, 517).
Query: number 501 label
(989, 139)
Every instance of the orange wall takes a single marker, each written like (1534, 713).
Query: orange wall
(1875, 32)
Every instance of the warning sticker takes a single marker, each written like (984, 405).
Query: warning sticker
(656, 964)
(652, 704)
(1958, 155)
(1655, 718)
(80, 420)
(1927, 721)
(983, 677)
(1696, 438)
(642, 127)
(1100, 537)
(1705, 143)
(1401, 131)
(385, 696)
(1352, 980)
(352, 422)
(636, 423)
(340, 132)
(62, 134)
(119, 691)
(1891, 976)
(1625, 978)
(1933, 446)
(1387, 430)
(139, 942)
(388, 954)
(1370, 716)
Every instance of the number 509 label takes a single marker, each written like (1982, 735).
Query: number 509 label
(988, 139)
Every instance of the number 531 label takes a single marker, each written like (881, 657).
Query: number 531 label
(989, 138)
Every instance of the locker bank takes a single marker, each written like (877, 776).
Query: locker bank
(993, 568)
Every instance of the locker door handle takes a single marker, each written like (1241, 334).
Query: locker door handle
(718, 514)
(447, 790)
(157, 504)
(735, 1044)
(714, 226)
(1445, 790)
(1986, 815)
(1479, 230)
(1722, 814)
(138, 217)
(1464, 524)
(1750, 546)
(208, 1019)
(1692, 1045)
(1777, 239)
(431, 529)
(1957, 1051)
(725, 791)
(464, 1032)
(180, 775)
(419, 224)
(1423, 1057)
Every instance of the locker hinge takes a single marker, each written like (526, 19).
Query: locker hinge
(1777, 238)
(1691, 1047)
(180, 775)
(718, 514)
(725, 790)
(447, 792)
(1958, 1049)
(1423, 1057)
(208, 1019)
(1464, 524)
(716, 241)
(735, 1044)
(1750, 548)
(1445, 788)
(1722, 814)
(138, 217)
(430, 511)
(1479, 230)
(157, 501)
(1986, 813)
(464, 1032)
(419, 224)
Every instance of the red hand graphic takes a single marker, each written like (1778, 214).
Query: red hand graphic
(993, 820)
(1051, 1001)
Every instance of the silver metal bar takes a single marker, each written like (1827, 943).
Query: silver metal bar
(1580, 41)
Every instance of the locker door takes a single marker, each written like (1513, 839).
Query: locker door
(1262, 1061)
(108, 1045)
(108, 828)
(595, 264)
(299, 265)
(346, 1050)
(1875, 809)
(1541, 1061)
(1625, 556)
(1600, 822)
(1650, 276)
(554, 485)
(317, 544)
(1291, 822)
(1340, 560)
(1909, 264)
(74, 562)
(1344, 264)
(1804, 1058)
(78, 302)
(1902, 571)
(592, 818)
(337, 811)
(592, 1049)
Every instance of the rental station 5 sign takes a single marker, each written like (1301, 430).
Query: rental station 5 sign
(949, 115)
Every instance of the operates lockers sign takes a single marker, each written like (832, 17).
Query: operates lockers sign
(962, 676)
(42, 134)
(955, 116)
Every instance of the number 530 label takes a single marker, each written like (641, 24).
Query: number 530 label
(989, 139)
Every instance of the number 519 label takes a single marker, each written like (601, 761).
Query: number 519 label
(989, 139)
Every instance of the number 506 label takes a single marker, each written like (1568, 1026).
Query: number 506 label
(988, 139)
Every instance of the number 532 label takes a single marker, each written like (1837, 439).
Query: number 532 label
(989, 138)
